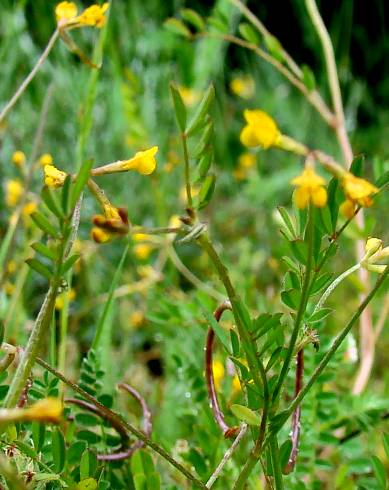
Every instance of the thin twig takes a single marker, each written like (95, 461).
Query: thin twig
(30, 76)
(295, 436)
(113, 415)
(227, 456)
(188, 274)
(333, 80)
(209, 377)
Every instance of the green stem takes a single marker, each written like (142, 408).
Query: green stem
(256, 367)
(275, 457)
(301, 309)
(187, 169)
(333, 285)
(113, 416)
(336, 343)
(40, 330)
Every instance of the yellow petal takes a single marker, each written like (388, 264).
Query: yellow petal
(347, 208)
(248, 137)
(358, 190)
(99, 235)
(19, 158)
(319, 197)
(263, 126)
(53, 176)
(144, 161)
(65, 11)
(301, 197)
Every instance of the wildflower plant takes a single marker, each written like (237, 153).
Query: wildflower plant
(191, 371)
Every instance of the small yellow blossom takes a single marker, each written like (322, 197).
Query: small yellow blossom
(189, 95)
(247, 160)
(66, 15)
(65, 11)
(9, 288)
(113, 223)
(47, 410)
(142, 251)
(218, 373)
(309, 189)
(348, 208)
(261, 130)
(243, 87)
(19, 158)
(94, 15)
(12, 266)
(140, 237)
(375, 253)
(137, 318)
(29, 208)
(358, 190)
(54, 177)
(60, 299)
(143, 162)
(236, 386)
(13, 192)
(46, 159)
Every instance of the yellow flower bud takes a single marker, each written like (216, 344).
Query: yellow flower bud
(218, 373)
(19, 158)
(48, 410)
(46, 159)
(373, 245)
(142, 251)
(54, 177)
(99, 235)
(243, 87)
(261, 130)
(309, 189)
(247, 160)
(13, 192)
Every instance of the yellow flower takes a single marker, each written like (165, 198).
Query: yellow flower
(236, 386)
(46, 159)
(189, 95)
(261, 130)
(142, 251)
(243, 87)
(113, 223)
(309, 189)
(247, 160)
(19, 158)
(65, 11)
(66, 15)
(239, 173)
(13, 192)
(143, 162)
(358, 190)
(218, 373)
(54, 177)
(48, 410)
(347, 208)
(137, 317)
(60, 299)
(29, 208)
(94, 15)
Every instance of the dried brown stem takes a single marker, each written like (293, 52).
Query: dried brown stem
(217, 413)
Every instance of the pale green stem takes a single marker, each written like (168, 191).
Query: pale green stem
(333, 285)
(39, 332)
(30, 76)
(333, 79)
(187, 170)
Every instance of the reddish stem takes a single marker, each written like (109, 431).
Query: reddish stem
(295, 436)
(123, 452)
(218, 414)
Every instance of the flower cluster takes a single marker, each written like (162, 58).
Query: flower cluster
(66, 15)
